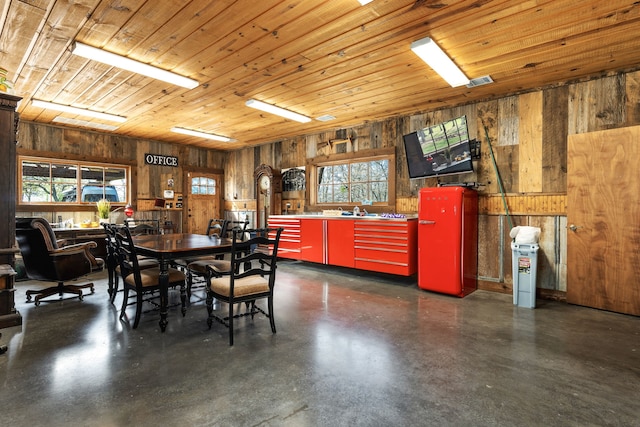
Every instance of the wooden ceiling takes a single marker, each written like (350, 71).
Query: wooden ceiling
(315, 57)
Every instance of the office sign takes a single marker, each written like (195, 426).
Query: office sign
(160, 160)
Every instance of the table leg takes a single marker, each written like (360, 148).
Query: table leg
(164, 293)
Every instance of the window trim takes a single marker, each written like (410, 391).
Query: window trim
(354, 157)
(77, 205)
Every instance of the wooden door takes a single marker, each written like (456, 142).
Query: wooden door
(603, 220)
(204, 200)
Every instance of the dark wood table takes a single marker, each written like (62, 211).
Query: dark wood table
(167, 247)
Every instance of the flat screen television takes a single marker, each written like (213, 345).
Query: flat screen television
(443, 149)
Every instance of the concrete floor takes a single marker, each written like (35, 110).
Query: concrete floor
(352, 349)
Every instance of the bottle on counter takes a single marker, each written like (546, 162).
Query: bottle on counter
(356, 211)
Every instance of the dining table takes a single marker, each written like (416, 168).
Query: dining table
(168, 247)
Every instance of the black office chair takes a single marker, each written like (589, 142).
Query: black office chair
(45, 260)
(251, 277)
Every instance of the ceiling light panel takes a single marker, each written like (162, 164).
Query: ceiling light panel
(128, 64)
(200, 134)
(79, 111)
(84, 123)
(435, 57)
(272, 109)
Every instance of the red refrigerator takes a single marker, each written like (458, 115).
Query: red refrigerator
(448, 240)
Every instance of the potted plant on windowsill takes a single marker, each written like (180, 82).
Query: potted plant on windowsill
(104, 208)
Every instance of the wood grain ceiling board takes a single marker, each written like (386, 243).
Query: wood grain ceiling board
(315, 57)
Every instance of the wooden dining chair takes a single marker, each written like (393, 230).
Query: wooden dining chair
(215, 228)
(252, 276)
(113, 261)
(142, 281)
(198, 267)
(236, 225)
(142, 226)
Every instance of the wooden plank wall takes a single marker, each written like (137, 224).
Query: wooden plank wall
(149, 181)
(527, 134)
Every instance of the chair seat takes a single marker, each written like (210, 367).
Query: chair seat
(151, 276)
(245, 286)
(143, 264)
(200, 266)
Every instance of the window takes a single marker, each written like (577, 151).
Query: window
(355, 181)
(50, 181)
(203, 186)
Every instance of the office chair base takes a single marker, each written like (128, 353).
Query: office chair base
(60, 289)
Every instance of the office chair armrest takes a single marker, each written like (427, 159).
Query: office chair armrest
(73, 261)
(78, 247)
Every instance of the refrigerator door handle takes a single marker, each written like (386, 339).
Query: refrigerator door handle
(426, 221)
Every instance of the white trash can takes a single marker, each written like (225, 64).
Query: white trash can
(525, 265)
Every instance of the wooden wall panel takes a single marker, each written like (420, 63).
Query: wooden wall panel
(407, 205)
(632, 91)
(489, 237)
(507, 161)
(144, 174)
(270, 154)
(508, 120)
(530, 143)
(488, 126)
(376, 137)
(561, 282)
(547, 256)
(390, 134)
(405, 187)
(597, 105)
(554, 139)
(293, 153)
(238, 175)
(523, 204)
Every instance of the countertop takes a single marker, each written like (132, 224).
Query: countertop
(369, 217)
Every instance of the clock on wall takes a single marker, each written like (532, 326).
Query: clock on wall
(268, 193)
(265, 183)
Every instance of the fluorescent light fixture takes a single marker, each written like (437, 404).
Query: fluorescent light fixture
(431, 53)
(84, 123)
(363, 2)
(202, 134)
(287, 114)
(118, 61)
(79, 111)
